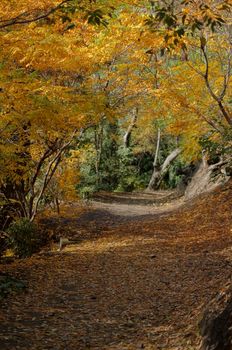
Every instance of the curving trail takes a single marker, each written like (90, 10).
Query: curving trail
(130, 281)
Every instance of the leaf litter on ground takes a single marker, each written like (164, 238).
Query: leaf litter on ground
(129, 282)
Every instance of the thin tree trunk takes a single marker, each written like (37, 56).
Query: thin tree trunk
(51, 169)
(57, 205)
(127, 136)
(155, 169)
(157, 148)
(98, 147)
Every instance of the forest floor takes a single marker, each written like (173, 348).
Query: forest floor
(137, 277)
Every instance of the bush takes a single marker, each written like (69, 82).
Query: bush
(87, 192)
(23, 238)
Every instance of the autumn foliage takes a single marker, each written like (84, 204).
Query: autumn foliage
(68, 66)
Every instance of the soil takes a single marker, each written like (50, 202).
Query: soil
(137, 277)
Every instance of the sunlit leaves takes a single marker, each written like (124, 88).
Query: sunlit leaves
(186, 17)
(89, 61)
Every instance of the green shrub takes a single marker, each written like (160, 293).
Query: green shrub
(23, 238)
(87, 192)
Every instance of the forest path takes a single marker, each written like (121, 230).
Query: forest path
(128, 282)
(137, 204)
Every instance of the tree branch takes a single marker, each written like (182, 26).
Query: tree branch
(218, 99)
(22, 18)
(227, 76)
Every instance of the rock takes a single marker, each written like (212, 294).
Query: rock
(66, 241)
(63, 243)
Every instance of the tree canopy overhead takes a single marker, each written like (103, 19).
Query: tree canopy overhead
(69, 66)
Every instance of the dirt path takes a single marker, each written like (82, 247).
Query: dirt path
(129, 282)
(130, 210)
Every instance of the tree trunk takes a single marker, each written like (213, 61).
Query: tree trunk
(127, 136)
(207, 178)
(98, 148)
(157, 148)
(158, 173)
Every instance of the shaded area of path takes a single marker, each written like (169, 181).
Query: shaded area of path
(88, 220)
(129, 283)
